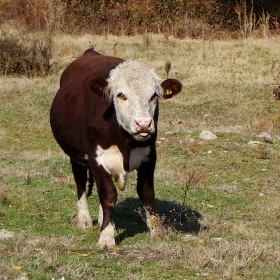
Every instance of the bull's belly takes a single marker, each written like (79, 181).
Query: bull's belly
(112, 161)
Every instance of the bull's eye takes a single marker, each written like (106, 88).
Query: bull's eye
(155, 96)
(121, 96)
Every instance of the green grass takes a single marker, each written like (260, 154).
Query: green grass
(214, 230)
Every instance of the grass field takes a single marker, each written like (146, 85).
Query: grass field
(219, 198)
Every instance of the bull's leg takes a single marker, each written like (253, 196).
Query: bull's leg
(80, 175)
(145, 190)
(108, 196)
(106, 238)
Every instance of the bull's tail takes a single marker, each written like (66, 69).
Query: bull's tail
(90, 182)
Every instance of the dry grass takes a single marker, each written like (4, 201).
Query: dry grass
(228, 89)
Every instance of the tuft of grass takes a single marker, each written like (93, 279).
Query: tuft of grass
(167, 68)
(147, 41)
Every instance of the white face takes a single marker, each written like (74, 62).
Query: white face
(135, 89)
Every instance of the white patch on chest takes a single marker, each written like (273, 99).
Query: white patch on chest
(112, 161)
(137, 156)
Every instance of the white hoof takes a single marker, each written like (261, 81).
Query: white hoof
(107, 239)
(84, 224)
(83, 216)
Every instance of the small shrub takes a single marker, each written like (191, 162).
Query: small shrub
(263, 153)
(246, 19)
(276, 121)
(29, 57)
(147, 40)
(275, 71)
(4, 199)
(259, 126)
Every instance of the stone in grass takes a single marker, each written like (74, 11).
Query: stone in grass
(267, 137)
(170, 133)
(20, 278)
(207, 135)
(188, 237)
(255, 143)
(5, 234)
(204, 274)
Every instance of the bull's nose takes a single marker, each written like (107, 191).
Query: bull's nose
(143, 125)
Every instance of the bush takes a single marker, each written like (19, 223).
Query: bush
(30, 57)
(133, 15)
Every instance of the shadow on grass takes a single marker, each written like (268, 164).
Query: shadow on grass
(129, 218)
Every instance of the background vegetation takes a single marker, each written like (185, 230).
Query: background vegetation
(179, 18)
(219, 198)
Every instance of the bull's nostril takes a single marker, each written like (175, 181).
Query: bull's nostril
(142, 125)
(137, 125)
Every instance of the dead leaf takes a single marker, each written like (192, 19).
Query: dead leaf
(84, 255)
(16, 267)
(117, 249)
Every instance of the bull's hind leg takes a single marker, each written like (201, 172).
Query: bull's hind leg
(80, 175)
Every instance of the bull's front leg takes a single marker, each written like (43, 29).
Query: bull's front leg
(145, 190)
(108, 196)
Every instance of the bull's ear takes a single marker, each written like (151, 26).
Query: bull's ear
(170, 88)
(98, 85)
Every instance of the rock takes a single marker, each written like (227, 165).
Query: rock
(255, 143)
(34, 242)
(267, 137)
(207, 135)
(188, 237)
(5, 234)
(233, 186)
(207, 205)
(202, 274)
(217, 239)
(170, 133)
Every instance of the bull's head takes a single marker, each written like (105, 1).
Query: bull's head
(135, 89)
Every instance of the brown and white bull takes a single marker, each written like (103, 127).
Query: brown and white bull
(104, 117)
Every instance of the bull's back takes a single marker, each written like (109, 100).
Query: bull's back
(67, 115)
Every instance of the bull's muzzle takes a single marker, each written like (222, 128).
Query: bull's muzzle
(144, 127)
